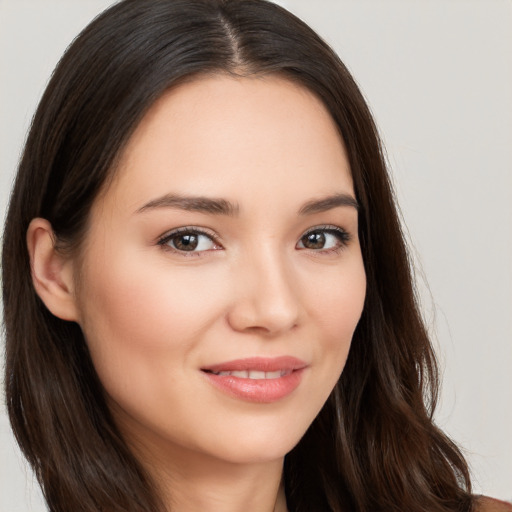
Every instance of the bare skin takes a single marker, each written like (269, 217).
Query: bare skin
(154, 315)
(485, 504)
(277, 272)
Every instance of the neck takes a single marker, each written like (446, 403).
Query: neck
(236, 489)
(192, 481)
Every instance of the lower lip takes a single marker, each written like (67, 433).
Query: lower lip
(257, 390)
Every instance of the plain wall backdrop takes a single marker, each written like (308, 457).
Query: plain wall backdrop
(438, 77)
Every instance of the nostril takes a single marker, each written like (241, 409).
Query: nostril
(266, 303)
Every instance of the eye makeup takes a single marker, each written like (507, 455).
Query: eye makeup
(194, 240)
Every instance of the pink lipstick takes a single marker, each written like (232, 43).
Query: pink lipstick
(257, 379)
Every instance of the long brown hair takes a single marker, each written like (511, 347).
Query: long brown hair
(374, 446)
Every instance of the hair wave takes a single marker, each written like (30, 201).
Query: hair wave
(374, 446)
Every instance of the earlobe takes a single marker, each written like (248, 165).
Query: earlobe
(52, 273)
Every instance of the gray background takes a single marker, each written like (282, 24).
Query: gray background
(438, 77)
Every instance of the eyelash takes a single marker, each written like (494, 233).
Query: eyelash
(187, 230)
(343, 239)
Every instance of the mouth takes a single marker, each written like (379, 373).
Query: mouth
(257, 379)
(257, 367)
(252, 374)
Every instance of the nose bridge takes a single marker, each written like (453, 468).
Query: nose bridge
(266, 297)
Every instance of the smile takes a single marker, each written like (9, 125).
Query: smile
(260, 380)
(254, 374)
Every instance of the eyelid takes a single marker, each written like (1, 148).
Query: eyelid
(326, 227)
(163, 239)
(343, 235)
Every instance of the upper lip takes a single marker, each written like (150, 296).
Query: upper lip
(262, 364)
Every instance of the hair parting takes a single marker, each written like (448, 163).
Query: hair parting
(374, 446)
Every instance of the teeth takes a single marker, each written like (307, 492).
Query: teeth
(242, 374)
(254, 374)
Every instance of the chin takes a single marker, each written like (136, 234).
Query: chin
(260, 445)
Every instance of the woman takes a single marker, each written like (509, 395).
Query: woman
(215, 310)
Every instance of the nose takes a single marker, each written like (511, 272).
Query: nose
(266, 299)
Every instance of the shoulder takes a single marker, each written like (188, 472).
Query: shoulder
(485, 504)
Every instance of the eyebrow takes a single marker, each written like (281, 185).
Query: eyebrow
(193, 204)
(328, 203)
(214, 206)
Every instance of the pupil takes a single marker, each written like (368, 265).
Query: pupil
(186, 242)
(314, 240)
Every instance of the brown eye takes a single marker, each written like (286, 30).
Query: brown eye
(324, 239)
(187, 240)
(314, 240)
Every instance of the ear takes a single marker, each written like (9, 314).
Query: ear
(52, 273)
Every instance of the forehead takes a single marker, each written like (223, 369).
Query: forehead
(221, 136)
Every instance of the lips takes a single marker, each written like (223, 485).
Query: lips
(254, 374)
(257, 379)
(258, 364)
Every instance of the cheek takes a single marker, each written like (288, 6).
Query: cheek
(132, 296)
(337, 300)
(139, 315)
(336, 306)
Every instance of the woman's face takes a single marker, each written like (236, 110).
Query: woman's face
(222, 277)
